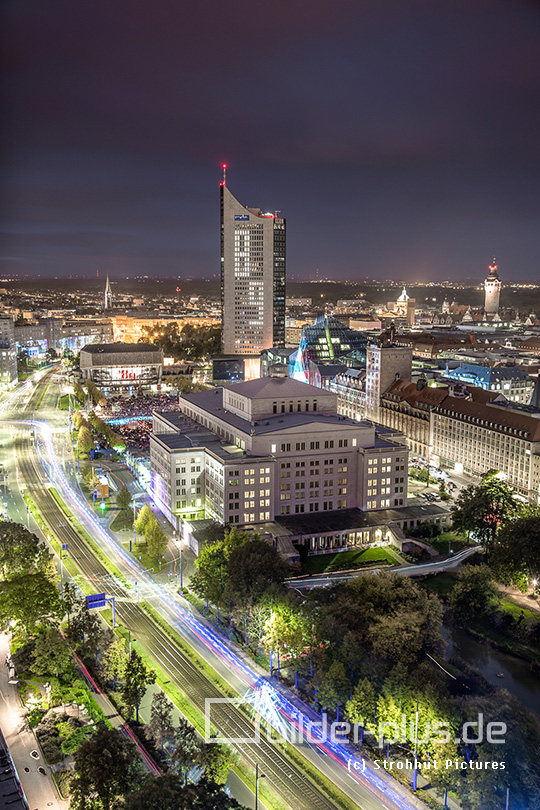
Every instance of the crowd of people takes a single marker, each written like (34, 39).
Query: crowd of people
(131, 417)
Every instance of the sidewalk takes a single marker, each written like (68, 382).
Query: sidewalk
(40, 790)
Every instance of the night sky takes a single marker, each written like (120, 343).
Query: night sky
(400, 138)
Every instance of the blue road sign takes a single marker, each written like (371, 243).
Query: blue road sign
(96, 600)
(65, 546)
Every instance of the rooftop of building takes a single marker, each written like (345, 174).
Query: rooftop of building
(275, 387)
(428, 397)
(212, 403)
(506, 420)
(116, 348)
(487, 374)
(208, 441)
(339, 520)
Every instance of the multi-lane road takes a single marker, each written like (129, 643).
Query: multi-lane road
(39, 466)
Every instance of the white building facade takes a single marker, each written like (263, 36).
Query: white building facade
(269, 448)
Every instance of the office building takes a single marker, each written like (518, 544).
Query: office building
(252, 277)
(472, 437)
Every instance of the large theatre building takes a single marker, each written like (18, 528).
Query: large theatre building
(119, 366)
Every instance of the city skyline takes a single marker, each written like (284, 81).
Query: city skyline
(399, 140)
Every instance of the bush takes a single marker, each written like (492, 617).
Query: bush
(51, 751)
(63, 779)
(35, 716)
(74, 742)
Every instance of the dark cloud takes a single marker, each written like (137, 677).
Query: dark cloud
(399, 137)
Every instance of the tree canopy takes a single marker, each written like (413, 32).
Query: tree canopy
(106, 766)
(137, 677)
(515, 554)
(481, 509)
(169, 793)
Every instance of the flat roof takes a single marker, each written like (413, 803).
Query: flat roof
(339, 520)
(115, 348)
(212, 403)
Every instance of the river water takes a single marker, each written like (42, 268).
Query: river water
(518, 678)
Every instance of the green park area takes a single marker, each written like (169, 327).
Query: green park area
(348, 560)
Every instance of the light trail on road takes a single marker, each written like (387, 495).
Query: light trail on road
(341, 753)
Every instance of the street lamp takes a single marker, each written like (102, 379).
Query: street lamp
(257, 777)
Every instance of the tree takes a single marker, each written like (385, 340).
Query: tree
(136, 678)
(187, 751)
(252, 568)
(106, 766)
(334, 686)
(443, 492)
(78, 393)
(51, 656)
(71, 599)
(481, 509)
(144, 517)
(218, 761)
(156, 541)
(474, 594)
(516, 551)
(85, 630)
(29, 599)
(160, 725)
(123, 498)
(169, 793)
(85, 440)
(360, 708)
(286, 630)
(165, 792)
(18, 548)
(79, 420)
(212, 573)
(114, 661)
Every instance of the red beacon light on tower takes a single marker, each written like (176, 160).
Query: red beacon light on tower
(224, 181)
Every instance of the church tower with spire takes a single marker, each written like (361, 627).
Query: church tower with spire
(492, 288)
(107, 304)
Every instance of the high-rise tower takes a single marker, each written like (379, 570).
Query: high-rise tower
(492, 287)
(252, 277)
(107, 303)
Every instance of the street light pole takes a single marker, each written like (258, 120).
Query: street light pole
(257, 777)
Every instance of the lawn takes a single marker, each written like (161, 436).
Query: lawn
(509, 606)
(344, 560)
(63, 405)
(122, 521)
(139, 552)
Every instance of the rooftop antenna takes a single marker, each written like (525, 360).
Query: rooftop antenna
(224, 167)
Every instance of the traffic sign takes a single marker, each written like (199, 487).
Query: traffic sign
(95, 600)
